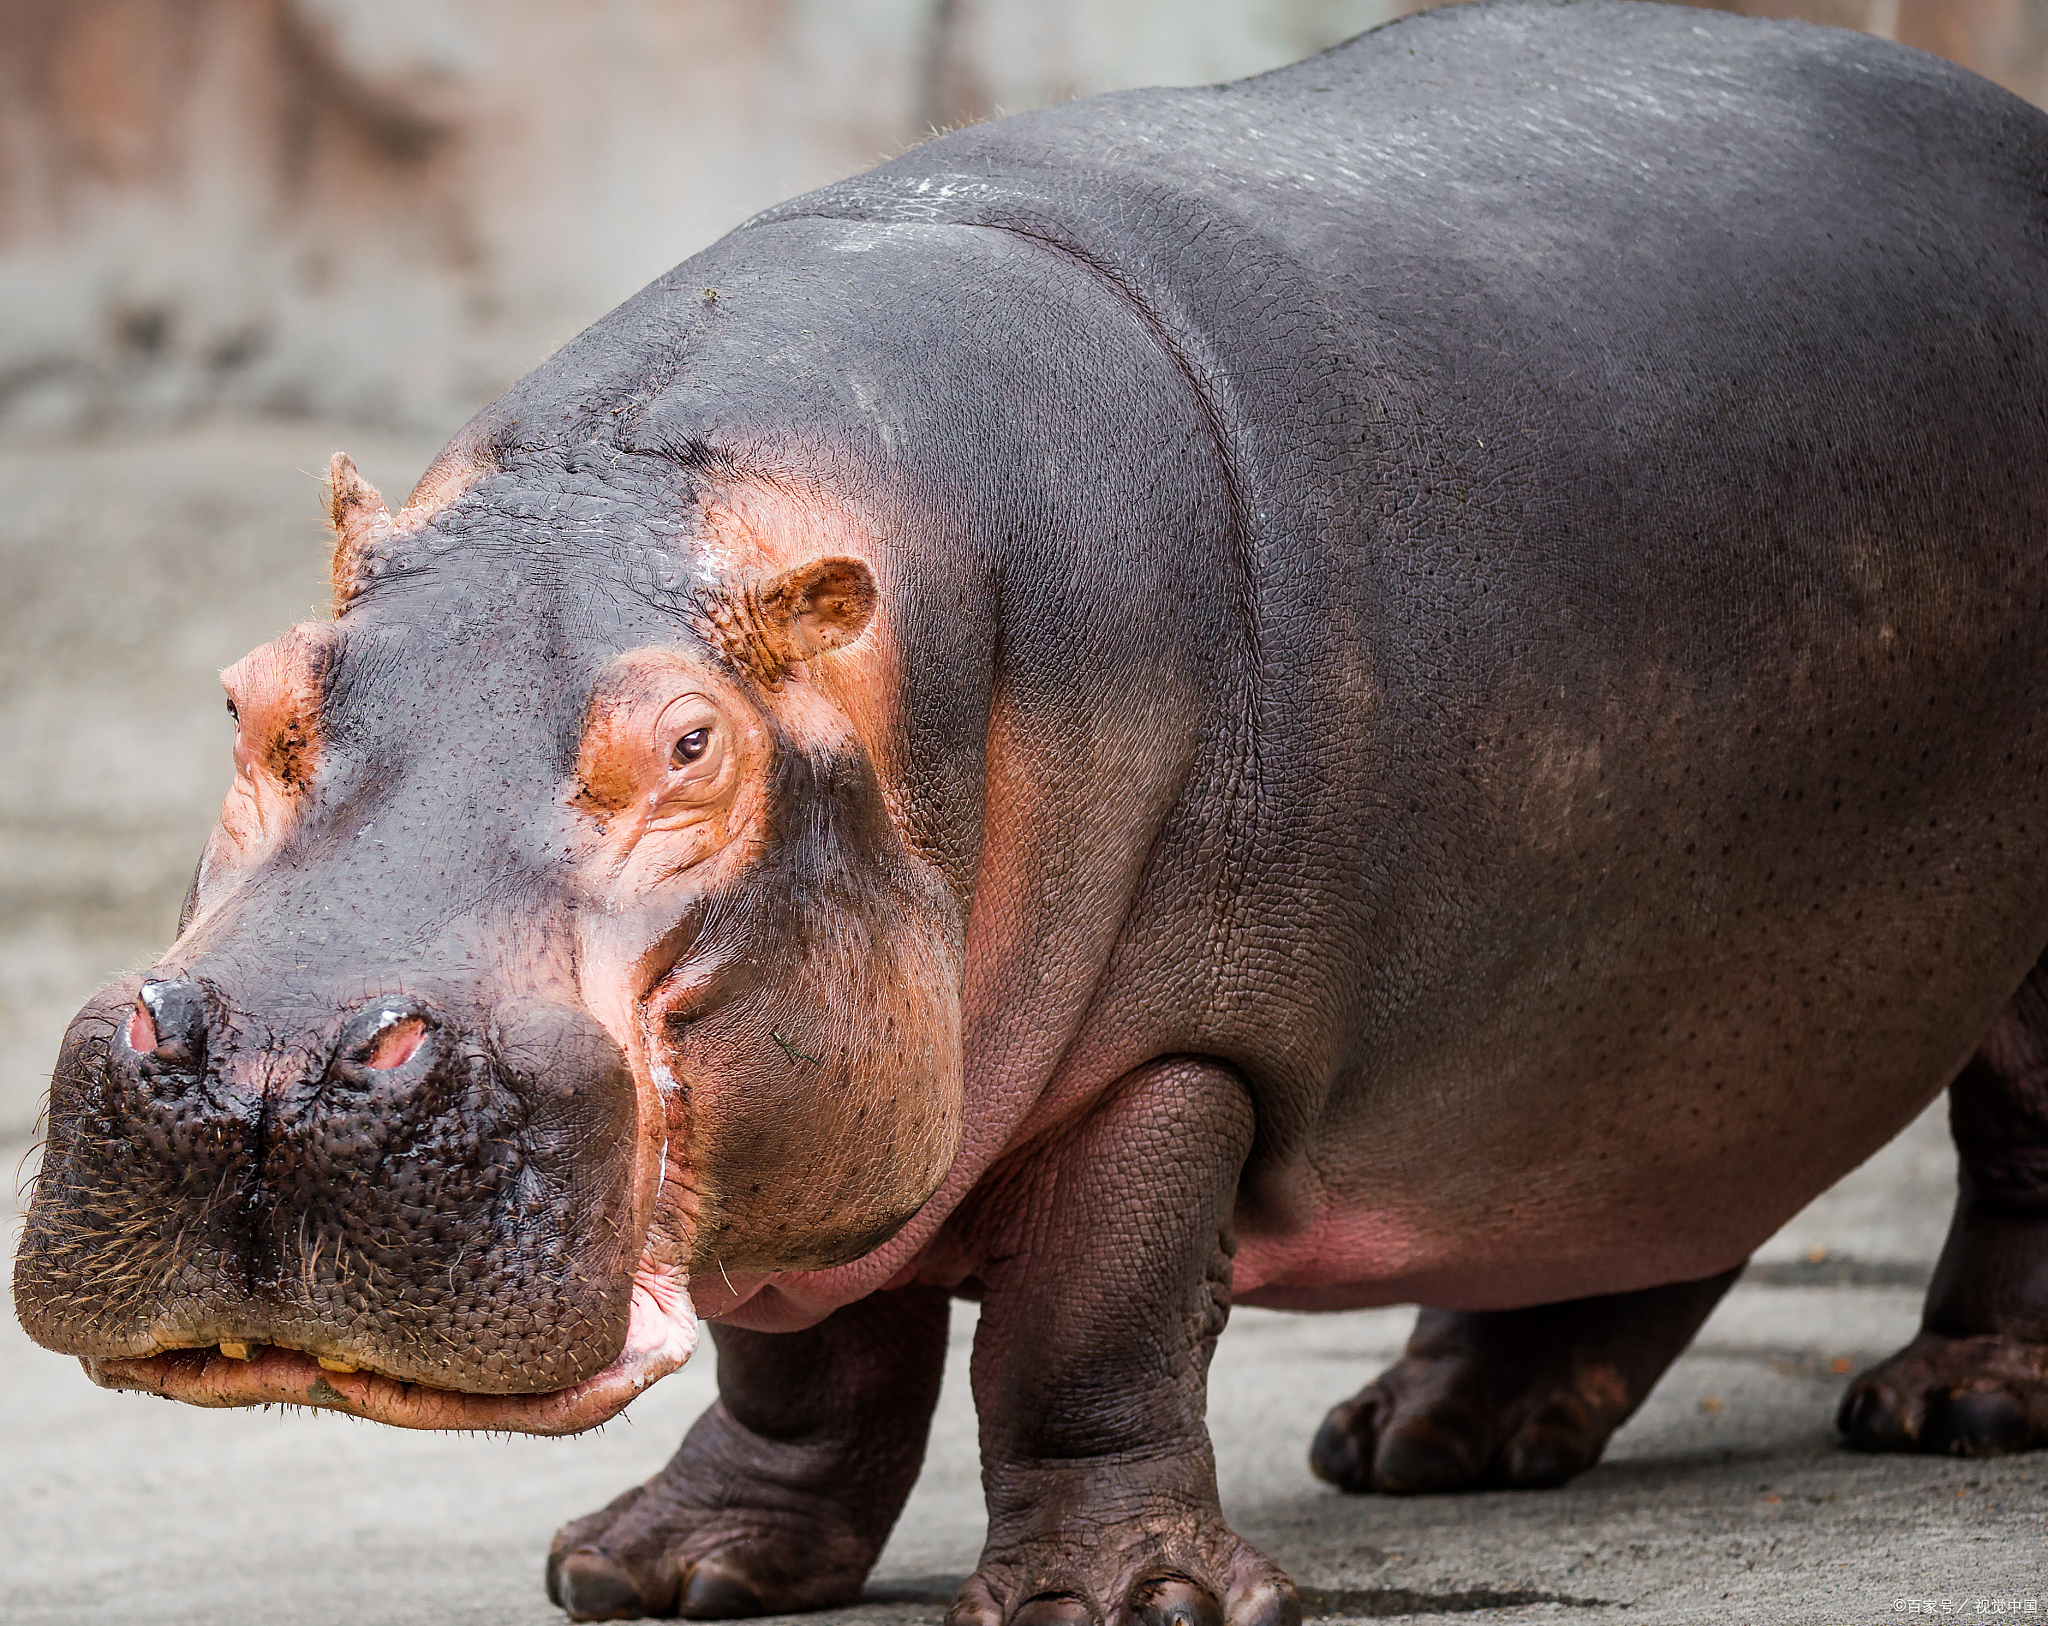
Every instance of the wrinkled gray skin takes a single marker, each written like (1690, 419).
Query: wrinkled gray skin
(1454, 697)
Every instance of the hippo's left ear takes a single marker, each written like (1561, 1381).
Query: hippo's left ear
(818, 606)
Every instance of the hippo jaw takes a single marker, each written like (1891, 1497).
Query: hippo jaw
(660, 1336)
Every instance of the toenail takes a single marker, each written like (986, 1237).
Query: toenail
(589, 1586)
(1335, 1459)
(1053, 1609)
(973, 1609)
(1272, 1601)
(1541, 1458)
(1862, 1419)
(714, 1592)
(1416, 1460)
(1173, 1600)
(1871, 1420)
(1985, 1423)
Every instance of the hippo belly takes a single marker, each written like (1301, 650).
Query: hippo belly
(1515, 1183)
(1711, 973)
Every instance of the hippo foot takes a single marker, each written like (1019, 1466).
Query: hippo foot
(1451, 1424)
(783, 1493)
(1982, 1396)
(651, 1553)
(708, 1543)
(1511, 1399)
(1089, 1551)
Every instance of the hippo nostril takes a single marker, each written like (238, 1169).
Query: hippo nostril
(384, 1037)
(394, 1046)
(169, 1022)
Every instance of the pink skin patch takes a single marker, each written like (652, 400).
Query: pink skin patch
(1347, 1253)
(141, 1030)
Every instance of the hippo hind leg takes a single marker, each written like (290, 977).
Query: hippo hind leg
(1510, 1398)
(1975, 1381)
(783, 1493)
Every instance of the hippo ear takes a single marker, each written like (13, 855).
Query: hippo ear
(819, 606)
(360, 522)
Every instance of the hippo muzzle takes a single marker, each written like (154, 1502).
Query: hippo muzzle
(420, 1216)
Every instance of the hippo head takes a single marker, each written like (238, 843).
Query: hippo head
(557, 942)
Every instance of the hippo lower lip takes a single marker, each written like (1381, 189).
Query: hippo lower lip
(659, 1340)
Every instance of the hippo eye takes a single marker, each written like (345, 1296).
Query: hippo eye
(691, 746)
(234, 715)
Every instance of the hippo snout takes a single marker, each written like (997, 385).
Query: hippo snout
(424, 1186)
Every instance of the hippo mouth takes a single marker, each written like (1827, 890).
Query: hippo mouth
(660, 1336)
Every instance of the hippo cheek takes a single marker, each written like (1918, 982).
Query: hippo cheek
(823, 1099)
(424, 1221)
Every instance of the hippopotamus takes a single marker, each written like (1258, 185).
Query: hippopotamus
(1423, 679)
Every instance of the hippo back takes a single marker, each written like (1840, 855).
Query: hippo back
(1632, 422)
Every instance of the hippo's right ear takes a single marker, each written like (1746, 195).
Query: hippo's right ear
(818, 606)
(360, 521)
(807, 611)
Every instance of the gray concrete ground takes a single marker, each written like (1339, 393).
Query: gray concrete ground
(130, 572)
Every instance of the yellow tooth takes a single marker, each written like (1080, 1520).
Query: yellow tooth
(235, 1352)
(333, 1366)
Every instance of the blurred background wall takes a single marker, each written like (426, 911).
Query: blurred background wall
(382, 211)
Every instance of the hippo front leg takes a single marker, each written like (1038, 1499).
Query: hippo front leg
(783, 1492)
(1108, 1281)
